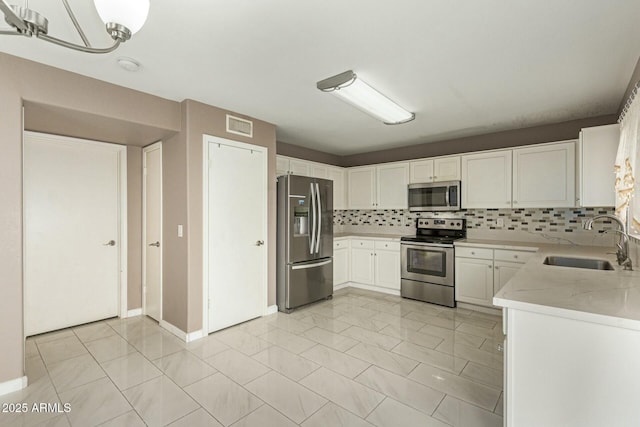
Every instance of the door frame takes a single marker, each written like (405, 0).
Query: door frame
(206, 141)
(145, 150)
(121, 151)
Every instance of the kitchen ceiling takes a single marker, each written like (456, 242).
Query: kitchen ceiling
(464, 67)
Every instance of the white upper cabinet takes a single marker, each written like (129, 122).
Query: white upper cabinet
(544, 175)
(446, 169)
(299, 167)
(290, 166)
(392, 181)
(362, 187)
(282, 165)
(421, 171)
(318, 170)
(337, 175)
(378, 187)
(597, 155)
(486, 180)
(435, 170)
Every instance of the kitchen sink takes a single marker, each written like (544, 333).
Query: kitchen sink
(592, 264)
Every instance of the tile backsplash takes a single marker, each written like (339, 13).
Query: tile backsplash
(518, 224)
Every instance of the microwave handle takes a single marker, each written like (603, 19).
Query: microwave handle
(446, 196)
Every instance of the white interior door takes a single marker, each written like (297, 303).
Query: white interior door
(237, 214)
(152, 186)
(71, 231)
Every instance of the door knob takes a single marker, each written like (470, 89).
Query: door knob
(156, 244)
(110, 243)
(260, 243)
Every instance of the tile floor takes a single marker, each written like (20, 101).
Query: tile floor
(361, 359)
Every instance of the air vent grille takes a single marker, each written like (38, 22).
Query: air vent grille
(239, 126)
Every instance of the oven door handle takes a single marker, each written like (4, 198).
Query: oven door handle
(426, 245)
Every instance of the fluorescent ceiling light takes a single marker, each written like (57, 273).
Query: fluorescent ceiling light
(356, 92)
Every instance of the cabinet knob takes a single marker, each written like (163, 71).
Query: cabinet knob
(515, 256)
(515, 202)
(473, 253)
(496, 267)
(434, 177)
(488, 266)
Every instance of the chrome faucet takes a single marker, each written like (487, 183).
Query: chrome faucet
(622, 254)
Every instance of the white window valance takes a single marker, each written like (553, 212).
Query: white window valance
(626, 167)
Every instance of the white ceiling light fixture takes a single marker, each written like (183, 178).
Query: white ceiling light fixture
(356, 92)
(128, 64)
(122, 19)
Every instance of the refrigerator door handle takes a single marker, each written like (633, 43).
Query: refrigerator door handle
(313, 223)
(319, 208)
(315, 264)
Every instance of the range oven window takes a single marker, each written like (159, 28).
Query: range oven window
(426, 261)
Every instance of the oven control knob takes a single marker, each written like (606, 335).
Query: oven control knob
(452, 223)
(458, 224)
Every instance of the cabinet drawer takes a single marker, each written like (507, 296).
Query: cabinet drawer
(512, 256)
(387, 246)
(340, 244)
(479, 253)
(362, 244)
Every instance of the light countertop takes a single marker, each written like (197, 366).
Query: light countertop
(605, 297)
(498, 244)
(368, 236)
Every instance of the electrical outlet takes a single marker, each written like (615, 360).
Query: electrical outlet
(500, 222)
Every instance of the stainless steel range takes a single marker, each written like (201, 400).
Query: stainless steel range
(428, 260)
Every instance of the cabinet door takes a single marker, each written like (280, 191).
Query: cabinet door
(339, 190)
(299, 167)
(502, 273)
(598, 149)
(421, 171)
(486, 180)
(282, 165)
(544, 176)
(391, 183)
(446, 169)
(318, 170)
(362, 187)
(387, 269)
(340, 266)
(362, 266)
(474, 281)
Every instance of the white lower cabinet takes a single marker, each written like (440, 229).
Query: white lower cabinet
(482, 272)
(474, 280)
(374, 263)
(572, 371)
(341, 261)
(387, 265)
(362, 261)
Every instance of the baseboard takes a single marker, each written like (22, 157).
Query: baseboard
(192, 336)
(271, 310)
(186, 337)
(368, 288)
(14, 385)
(479, 308)
(135, 312)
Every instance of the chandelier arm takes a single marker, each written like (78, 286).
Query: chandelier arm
(76, 24)
(77, 46)
(11, 17)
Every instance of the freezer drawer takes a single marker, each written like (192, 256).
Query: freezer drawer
(305, 283)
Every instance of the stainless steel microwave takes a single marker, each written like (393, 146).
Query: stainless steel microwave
(435, 196)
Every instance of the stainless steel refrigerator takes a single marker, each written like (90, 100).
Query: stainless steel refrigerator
(305, 241)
